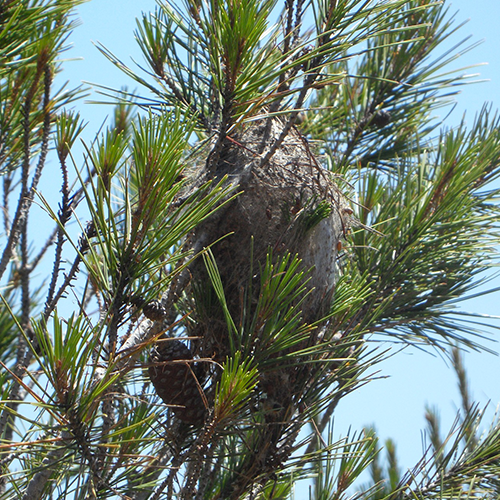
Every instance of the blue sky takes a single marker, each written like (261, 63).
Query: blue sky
(394, 404)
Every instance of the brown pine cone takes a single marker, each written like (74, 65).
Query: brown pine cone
(154, 310)
(176, 381)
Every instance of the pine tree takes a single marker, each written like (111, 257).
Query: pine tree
(273, 198)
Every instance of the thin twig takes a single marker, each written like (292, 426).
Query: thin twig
(83, 248)
(7, 187)
(18, 229)
(64, 215)
(43, 250)
(26, 198)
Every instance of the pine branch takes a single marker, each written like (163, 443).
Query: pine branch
(38, 483)
(269, 342)
(27, 194)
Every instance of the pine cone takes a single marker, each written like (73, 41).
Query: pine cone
(154, 310)
(177, 383)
